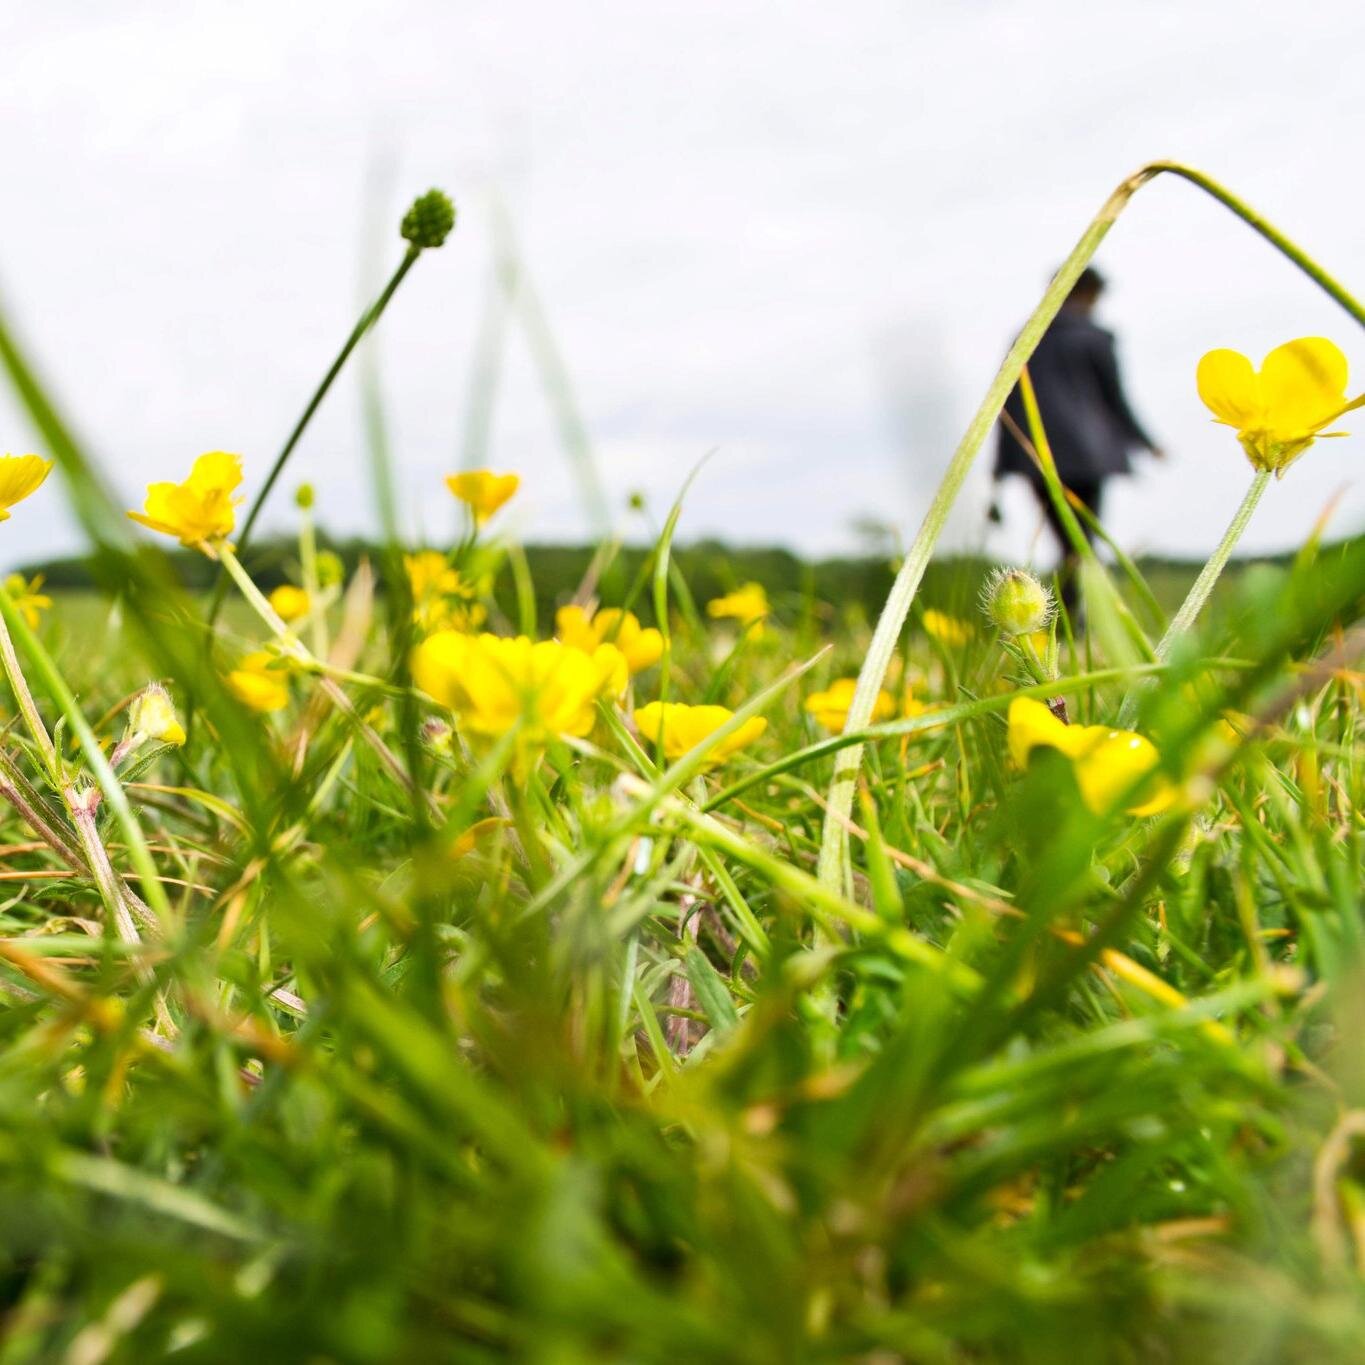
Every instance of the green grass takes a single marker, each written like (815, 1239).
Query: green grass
(618, 1084)
(326, 1038)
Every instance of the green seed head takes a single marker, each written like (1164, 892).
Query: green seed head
(331, 570)
(1017, 602)
(429, 221)
(303, 496)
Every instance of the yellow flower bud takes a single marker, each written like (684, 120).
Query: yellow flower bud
(290, 603)
(152, 716)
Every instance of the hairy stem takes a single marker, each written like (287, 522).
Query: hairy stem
(1203, 585)
(24, 698)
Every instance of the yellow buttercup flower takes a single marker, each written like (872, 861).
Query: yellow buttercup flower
(482, 491)
(747, 605)
(200, 512)
(830, 707)
(642, 646)
(947, 630)
(260, 681)
(684, 727)
(1108, 764)
(1281, 410)
(430, 573)
(441, 598)
(491, 683)
(20, 475)
(290, 603)
(28, 600)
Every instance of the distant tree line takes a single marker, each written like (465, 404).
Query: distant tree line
(852, 585)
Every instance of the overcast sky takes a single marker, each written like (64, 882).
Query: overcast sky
(800, 234)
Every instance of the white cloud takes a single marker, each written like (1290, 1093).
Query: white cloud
(732, 214)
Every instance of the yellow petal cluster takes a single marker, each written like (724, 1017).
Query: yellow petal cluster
(1280, 410)
(20, 475)
(490, 683)
(482, 491)
(1109, 764)
(747, 605)
(200, 512)
(947, 630)
(441, 598)
(642, 646)
(290, 603)
(29, 601)
(260, 681)
(830, 707)
(684, 727)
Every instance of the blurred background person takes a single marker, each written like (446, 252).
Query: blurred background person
(1090, 427)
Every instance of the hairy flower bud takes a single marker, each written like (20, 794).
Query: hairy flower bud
(151, 715)
(429, 221)
(303, 496)
(1017, 602)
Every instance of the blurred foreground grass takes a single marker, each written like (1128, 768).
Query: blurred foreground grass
(454, 996)
(568, 1068)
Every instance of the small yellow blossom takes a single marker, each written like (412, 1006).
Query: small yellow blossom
(491, 683)
(747, 605)
(260, 681)
(1280, 411)
(1108, 764)
(20, 475)
(641, 645)
(28, 600)
(200, 512)
(684, 727)
(441, 598)
(429, 573)
(482, 491)
(830, 707)
(152, 716)
(947, 630)
(290, 603)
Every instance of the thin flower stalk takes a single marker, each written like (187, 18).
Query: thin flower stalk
(1202, 586)
(22, 696)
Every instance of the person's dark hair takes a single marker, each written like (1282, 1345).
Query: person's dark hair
(1089, 286)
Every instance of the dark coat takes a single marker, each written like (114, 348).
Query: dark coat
(1088, 422)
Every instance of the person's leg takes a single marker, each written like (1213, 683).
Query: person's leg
(1091, 493)
(1066, 570)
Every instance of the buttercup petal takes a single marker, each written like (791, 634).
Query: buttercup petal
(1032, 725)
(215, 469)
(1303, 385)
(1229, 387)
(20, 475)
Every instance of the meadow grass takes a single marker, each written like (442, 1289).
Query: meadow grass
(402, 1013)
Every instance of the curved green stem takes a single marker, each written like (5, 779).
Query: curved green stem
(834, 870)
